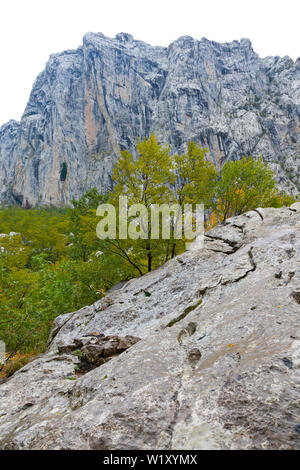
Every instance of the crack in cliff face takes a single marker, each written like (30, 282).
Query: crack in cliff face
(56, 329)
(235, 246)
(259, 213)
(177, 408)
(231, 243)
(187, 310)
(253, 264)
(239, 227)
(207, 289)
(221, 251)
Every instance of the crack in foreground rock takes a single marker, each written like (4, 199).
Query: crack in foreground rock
(254, 266)
(259, 213)
(234, 245)
(187, 310)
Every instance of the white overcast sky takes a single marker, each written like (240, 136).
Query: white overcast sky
(30, 30)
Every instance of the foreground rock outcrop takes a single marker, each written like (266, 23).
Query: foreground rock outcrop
(203, 353)
(92, 102)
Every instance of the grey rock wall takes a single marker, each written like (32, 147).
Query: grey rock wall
(90, 103)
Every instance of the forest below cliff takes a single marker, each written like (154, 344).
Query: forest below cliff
(52, 262)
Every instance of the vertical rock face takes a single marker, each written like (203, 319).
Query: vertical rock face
(90, 103)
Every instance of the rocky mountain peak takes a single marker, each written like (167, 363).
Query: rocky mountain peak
(90, 103)
(124, 37)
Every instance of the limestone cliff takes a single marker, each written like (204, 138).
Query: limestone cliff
(203, 353)
(91, 102)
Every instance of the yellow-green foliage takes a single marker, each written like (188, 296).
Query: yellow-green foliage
(54, 263)
(45, 271)
(15, 362)
(243, 185)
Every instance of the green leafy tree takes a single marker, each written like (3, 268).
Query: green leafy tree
(196, 177)
(145, 180)
(243, 185)
(195, 183)
(82, 228)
